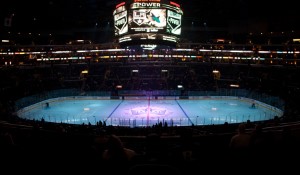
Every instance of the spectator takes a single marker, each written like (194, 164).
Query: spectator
(116, 152)
(258, 139)
(240, 146)
(241, 140)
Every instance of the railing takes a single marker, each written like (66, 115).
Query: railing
(143, 122)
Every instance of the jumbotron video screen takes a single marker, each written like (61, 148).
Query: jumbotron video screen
(147, 22)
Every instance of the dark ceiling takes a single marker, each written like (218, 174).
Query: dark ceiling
(63, 16)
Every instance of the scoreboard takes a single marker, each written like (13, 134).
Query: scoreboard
(147, 22)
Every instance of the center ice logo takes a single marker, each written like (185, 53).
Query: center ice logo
(156, 111)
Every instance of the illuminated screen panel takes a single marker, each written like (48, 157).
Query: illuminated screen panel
(151, 38)
(173, 23)
(141, 36)
(120, 20)
(147, 20)
(121, 24)
(119, 9)
(145, 4)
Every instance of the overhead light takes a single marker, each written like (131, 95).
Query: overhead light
(235, 85)
(84, 71)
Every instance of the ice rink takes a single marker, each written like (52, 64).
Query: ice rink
(147, 112)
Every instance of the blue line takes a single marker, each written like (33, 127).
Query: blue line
(114, 110)
(184, 111)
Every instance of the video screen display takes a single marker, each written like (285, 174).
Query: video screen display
(121, 24)
(147, 20)
(147, 37)
(119, 9)
(174, 23)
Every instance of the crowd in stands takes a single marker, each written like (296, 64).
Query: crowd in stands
(117, 149)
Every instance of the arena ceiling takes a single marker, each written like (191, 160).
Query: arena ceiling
(63, 16)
